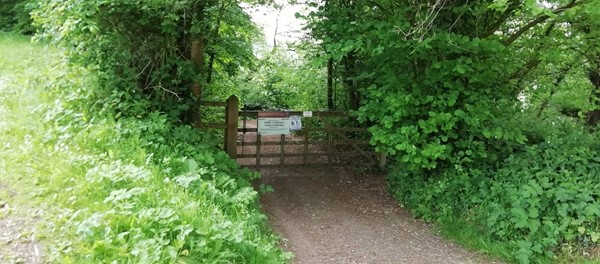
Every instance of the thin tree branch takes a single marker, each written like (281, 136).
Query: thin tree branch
(561, 76)
(215, 37)
(384, 10)
(534, 62)
(167, 90)
(276, 28)
(539, 20)
(530, 65)
(509, 10)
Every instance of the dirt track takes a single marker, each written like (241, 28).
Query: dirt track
(336, 215)
(18, 229)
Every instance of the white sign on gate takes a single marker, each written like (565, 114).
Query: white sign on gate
(273, 123)
(295, 123)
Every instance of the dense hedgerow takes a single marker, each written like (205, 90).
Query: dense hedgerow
(125, 190)
(541, 200)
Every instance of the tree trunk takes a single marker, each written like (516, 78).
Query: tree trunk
(330, 104)
(276, 27)
(197, 57)
(198, 61)
(593, 117)
(214, 38)
(349, 62)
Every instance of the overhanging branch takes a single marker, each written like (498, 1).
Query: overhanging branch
(539, 20)
(514, 5)
(530, 65)
(533, 62)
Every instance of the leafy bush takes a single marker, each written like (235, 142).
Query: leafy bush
(148, 192)
(14, 16)
(140, 50)
(123, 190)
(437, 197)
(545, 197)
(447, 114)
(540, 199)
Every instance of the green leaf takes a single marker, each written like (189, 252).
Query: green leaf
(533, 212)
(592, 209)
(520, 217)
(595, 236)
(191, 165)
(417, 160)
(460, 69)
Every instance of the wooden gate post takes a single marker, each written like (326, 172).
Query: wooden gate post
(382, 160)
(231, 121)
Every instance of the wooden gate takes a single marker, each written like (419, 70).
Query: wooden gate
(325, 138)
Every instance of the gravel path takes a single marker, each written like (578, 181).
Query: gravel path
(336, 215)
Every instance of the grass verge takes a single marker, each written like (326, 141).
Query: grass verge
(469, 237)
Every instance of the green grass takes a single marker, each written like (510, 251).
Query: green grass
(118, 190)
(473, 239)
(20, 69)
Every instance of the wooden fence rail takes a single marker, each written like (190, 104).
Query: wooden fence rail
(318, 140)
